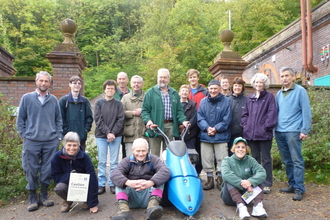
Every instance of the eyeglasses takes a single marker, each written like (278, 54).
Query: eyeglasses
(75, 83)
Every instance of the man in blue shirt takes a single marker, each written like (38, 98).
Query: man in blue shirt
(293, 125)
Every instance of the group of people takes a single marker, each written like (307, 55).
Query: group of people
(220, 120)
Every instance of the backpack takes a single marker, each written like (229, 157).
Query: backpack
(131, 163)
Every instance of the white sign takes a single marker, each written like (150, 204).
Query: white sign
(78, 187)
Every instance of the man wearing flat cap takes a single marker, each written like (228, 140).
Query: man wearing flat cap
(214, 117)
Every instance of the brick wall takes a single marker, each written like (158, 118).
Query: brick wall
(286, 48)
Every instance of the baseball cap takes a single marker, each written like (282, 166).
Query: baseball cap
(240, 139)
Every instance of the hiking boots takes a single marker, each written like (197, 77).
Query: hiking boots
(44, 200)
(123, 211)
(101, 190)
(85, 206)
(290, 189)
(154, 210)
(298, 195)
(242, 211)
(33, 203)
(66, 206)
(219, 182)
(259, 211)
(209, 184)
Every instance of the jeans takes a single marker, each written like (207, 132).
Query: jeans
(102, 148)
(290, 145)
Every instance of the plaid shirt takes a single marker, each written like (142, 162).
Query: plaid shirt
(167, 105)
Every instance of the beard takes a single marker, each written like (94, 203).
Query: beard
(162, 85)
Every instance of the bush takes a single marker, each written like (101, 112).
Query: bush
(12, 178)
(316, 148)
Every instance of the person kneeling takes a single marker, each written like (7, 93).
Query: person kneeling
(241, 173)
(73, 159)
(139, 181)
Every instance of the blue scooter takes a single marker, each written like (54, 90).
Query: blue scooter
(184, 188)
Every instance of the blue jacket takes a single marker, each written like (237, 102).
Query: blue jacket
(214, 112)
(259, 117)
(61, 167)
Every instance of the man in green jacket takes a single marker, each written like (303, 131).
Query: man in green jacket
(162, 106)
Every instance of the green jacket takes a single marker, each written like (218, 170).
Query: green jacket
(153, 109)
(234, 170)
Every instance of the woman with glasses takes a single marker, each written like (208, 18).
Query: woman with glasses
(241, 173)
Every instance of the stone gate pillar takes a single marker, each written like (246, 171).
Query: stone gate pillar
(228, 62)
(66, 60)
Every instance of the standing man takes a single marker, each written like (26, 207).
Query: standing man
(132, 103)
(162, 106)
(39, 123)
(196, 94)
(122, 89)
(197, 91)
(293, 126)
(213, 118)
(76, 111)
(109, 119)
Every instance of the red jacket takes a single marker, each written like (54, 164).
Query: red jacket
(199, 95)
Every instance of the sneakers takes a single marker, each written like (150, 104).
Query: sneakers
(219, 182)
(209, 184)
(266, 190)
(298, 195)
(242, 211)
(66, 206)
(101, 190)
(154, 210)
(33, 203)
(112, 189)
(290, 189)
(44, 200)
(259, 211)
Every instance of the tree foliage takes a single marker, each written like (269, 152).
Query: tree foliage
(138, 36)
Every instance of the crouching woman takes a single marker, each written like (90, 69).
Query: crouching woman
(241, 173)
(72, 159)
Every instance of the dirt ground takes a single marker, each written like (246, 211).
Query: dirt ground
(315, 205)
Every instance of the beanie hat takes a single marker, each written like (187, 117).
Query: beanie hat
(214, 82)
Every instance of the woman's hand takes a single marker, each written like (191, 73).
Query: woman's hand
(246, 184)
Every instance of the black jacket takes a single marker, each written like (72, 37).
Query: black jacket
(237, 106)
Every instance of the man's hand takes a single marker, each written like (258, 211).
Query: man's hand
(181, 128)
(137, 112)
(149, 123)
(211, 131)
(111, 137)
(139, 185)
(303, 136)
(186, 124)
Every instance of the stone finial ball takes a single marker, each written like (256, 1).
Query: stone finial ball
(68, 26)
(226, 35)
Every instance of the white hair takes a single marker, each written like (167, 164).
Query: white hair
(261, 76)
(140, 141)
(163, 70)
